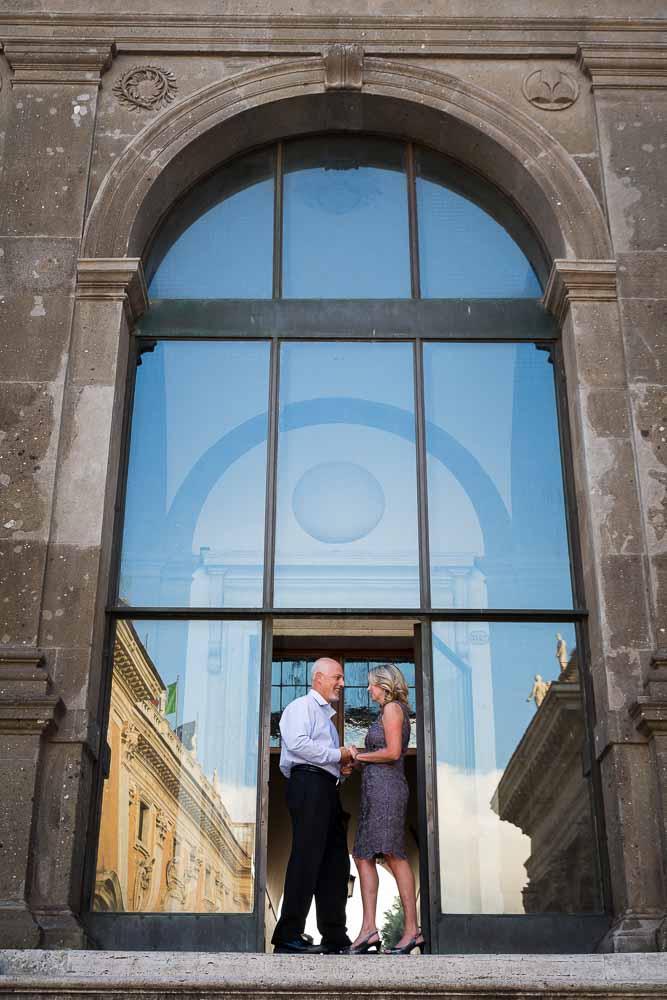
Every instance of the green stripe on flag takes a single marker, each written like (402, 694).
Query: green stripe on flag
(171, 698)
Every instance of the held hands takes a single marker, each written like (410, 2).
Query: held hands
(348, 757)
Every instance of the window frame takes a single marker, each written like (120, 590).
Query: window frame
(416, 320)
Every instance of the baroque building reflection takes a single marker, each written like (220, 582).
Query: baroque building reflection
(544, 791)
(167, 842)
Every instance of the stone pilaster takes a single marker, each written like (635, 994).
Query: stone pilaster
(28, 709)
(583, 295)
(50, 123)
(110, 294)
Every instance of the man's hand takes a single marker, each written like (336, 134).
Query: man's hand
(347, 770)
(346, 756)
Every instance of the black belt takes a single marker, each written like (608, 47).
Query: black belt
(315, 770)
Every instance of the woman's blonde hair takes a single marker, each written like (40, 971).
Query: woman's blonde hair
(391, 680)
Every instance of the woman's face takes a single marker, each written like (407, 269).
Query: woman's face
(376, 692)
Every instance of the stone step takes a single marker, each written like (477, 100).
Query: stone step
(72, 974)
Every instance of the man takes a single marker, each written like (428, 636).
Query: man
(319, 865)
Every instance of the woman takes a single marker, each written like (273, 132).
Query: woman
(384, 801)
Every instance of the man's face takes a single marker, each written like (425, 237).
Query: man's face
(328, 680)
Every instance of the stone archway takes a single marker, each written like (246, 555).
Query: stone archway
(478, 129)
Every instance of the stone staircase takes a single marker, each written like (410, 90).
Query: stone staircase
(165, 975)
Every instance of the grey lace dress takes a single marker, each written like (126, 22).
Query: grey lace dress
(384, 798)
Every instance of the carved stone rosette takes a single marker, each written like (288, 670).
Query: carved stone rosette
(146, 88)
(550, 89)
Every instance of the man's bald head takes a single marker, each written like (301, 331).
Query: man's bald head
(328, 679)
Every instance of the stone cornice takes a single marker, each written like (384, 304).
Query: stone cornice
(579, 281)
(58, 60)
(531, 37)
(650, 716)
(635, 66)
(113, 279)
(26, 706)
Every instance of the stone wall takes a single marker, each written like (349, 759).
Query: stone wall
(106, 118)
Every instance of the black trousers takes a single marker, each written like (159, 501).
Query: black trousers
(319, 863)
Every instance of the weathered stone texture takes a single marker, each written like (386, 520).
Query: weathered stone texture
(36, 290)
(46, 166)
(633, 126)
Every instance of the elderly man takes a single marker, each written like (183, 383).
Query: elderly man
(319, 864)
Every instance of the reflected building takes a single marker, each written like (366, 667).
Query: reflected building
(167, 842)
(545, 792)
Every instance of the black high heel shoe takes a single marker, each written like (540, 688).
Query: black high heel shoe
(416, 942)
(364, 947)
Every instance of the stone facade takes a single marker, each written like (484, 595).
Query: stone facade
(108, 116)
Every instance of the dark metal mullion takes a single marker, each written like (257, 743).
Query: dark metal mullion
(415, 614)
(415, 278)
(278, 224)
(263, 771)
(104, 703)
(271, 475)
(422, 484)
(430, 890)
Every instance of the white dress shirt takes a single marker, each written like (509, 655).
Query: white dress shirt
(308, 736)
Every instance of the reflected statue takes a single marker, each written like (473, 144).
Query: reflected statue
(561, 651)
(539, 690)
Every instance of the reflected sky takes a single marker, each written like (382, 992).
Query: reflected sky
(345, 223)
(346, 531)
(345, 230)
(346, 493)
(216, 669)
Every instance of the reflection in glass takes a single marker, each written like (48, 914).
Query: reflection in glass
(497, 529)
(194, 516)
(360, 711)
(516, 833)
(463, 251)
(180, 798)
(228, 251)
(346, 532)
(345, 228)
(290, 679)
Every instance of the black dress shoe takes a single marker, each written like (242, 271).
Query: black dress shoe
(335, 949)
(298, 947)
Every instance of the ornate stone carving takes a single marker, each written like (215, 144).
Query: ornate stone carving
(131, 794)
(142, 883)
(146, 88)
(162, 825)
(343, 67)
(130, 739)
(550, 89)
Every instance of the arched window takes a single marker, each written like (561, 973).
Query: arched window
(341, 217)
(347, 404)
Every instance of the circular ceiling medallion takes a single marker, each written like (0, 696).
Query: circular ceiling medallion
(338, 502)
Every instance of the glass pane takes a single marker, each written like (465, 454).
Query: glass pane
(194, 515)
(360, 710)
(463, 251)
(346, 533)
(345, 222)
(182, 786)
(228, 251)
(514, 814)
(497, 528)
(290, 679)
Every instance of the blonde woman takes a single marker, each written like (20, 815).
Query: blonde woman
(384, 802)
